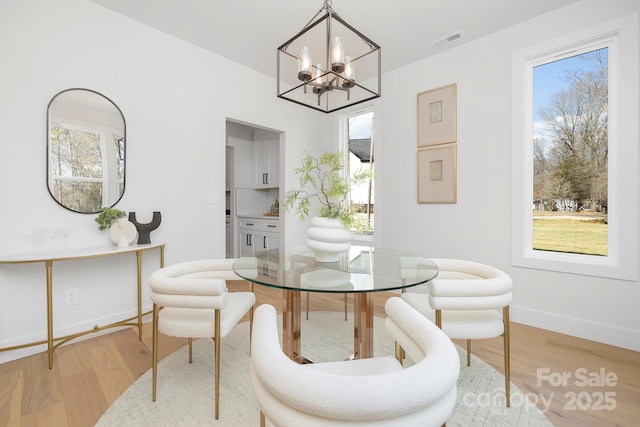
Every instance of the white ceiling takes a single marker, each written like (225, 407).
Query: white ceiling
(250, 31)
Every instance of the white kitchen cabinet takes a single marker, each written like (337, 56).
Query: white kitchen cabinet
(257, 235)
(267, 159)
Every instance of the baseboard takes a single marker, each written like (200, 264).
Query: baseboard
(7, 356)
(594, 331)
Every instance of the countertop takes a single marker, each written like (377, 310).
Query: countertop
(258, 216)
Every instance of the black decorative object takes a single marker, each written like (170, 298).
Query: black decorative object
(144, 230)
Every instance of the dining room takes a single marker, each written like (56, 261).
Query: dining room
(572, 318)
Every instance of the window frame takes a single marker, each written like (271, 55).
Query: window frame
(358, 238)
(621, 261)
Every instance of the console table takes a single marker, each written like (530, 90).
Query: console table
(48, 258)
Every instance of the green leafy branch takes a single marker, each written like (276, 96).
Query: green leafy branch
(108, 216)
(323, 179)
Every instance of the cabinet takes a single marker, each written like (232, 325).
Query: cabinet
(260, 237)
(267, 159)
(257, 235)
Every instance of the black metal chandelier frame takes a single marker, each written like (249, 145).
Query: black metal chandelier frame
(329, 79)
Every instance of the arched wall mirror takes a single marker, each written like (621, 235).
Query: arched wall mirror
(85, 150)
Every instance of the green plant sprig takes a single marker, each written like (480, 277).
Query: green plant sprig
(322, 179)
(108, 216)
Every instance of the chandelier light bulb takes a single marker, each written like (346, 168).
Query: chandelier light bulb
(304, 64)
(337, 63)
(317, 75)
(349, 75)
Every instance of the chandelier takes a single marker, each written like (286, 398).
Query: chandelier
(328, 67)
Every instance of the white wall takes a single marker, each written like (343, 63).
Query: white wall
(175, 107)
(478, 226)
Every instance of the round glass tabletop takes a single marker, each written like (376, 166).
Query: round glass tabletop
(361, 269)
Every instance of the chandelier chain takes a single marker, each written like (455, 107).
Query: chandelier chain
(325, 6)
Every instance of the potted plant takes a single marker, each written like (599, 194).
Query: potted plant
(108, 216)
(322, 179)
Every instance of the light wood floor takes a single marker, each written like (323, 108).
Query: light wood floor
(90, 375)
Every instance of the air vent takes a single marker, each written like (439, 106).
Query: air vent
(445, 40)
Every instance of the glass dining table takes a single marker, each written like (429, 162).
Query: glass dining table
(360, 271)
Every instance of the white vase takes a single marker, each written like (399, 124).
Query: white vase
(122, 232)
(328, 238)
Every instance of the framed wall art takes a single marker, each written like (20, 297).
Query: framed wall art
(437, 174)
(437, 116)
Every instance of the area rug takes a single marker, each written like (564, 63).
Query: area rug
(185, 391)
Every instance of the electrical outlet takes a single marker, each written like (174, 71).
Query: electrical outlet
(71, 296)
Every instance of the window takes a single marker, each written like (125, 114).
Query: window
(574, 190)
(81, 162)
(359, 146)
(570, 153)
(76, 167)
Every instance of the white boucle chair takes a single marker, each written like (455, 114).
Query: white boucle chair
(191, 300)
(465, 300)
(364, 392)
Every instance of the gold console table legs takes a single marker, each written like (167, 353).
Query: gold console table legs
(54, 342)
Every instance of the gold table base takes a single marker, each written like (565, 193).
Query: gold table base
(362, 327)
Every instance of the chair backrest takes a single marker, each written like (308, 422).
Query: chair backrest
(468, 285)
(415, 268)
(358, 398)
(419, 337)
(193, 284)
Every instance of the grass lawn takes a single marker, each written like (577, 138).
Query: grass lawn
(570, 233)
